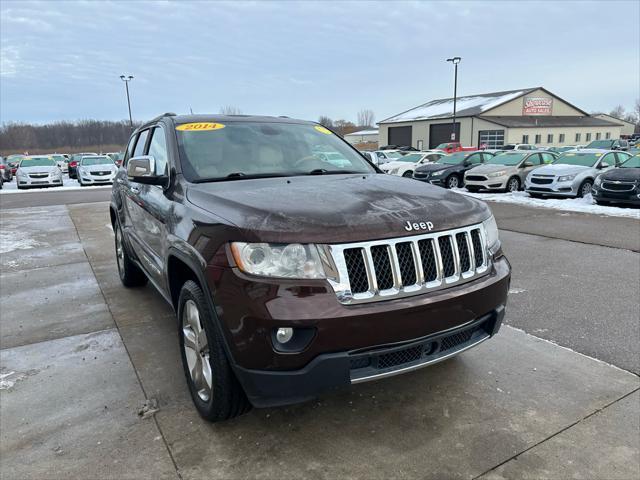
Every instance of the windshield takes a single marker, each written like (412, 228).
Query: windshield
(508, 159)
(444, 146)
(412, 158)
(59, 158)
(453, 159)
(508, 147)
(37, 162)
(393, 154)
(633, 162)
(14, 158)
(606, 144)
(579, 158)
(95, 161)
(213, 151)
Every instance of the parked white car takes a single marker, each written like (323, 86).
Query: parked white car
(404, 167)
(96, 170)
(61, 161)
(380, 157)
(38, 171)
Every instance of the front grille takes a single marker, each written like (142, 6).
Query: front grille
(392, 268)
(477, 178)
(456, 339)
(101, 173)
(38, 175)
(541, 181)
(399, 357)
(420, 175)
(618, 187)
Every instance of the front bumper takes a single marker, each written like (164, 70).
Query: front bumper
(439, 180)
(498, 183)
(250, 311)
(555, 188)
(90, 179)
(631, 197)
(28, 182)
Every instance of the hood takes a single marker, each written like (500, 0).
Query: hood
(433, 167)
(28, 170)
(334, 208)
(623, 174)
(486, 168)
(560, 169)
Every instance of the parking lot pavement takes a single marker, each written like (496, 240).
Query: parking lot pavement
(515, 406)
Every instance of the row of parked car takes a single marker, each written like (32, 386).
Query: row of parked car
(34, 171)
(611, 176)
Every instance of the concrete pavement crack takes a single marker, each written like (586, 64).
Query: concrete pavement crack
(117, 327)
(564, 429)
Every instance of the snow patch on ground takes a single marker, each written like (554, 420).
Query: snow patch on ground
(69, 184)
(16, 240)
(581, 205)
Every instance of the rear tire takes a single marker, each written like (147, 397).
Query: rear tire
(215, 390)
(408, 174)
(130, 273)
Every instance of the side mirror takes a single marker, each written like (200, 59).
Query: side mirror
(603, 165)
(142, 170)
(527, 164)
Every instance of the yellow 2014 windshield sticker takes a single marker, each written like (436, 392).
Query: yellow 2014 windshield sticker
(199, 127)
(321, 129)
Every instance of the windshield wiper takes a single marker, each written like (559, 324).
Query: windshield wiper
(323, 171)
(241, 176)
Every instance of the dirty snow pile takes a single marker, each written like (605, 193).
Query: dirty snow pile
(11, 240)
(582, 205)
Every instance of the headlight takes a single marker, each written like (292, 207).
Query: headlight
(20, 173)
(491, 232)
(566, 178)
(497, 174)
(436, 174)
(278, 260)
(597, 181)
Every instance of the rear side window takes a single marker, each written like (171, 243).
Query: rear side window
(129, 152)
(158, 150)
(475, 158)
(142, 139)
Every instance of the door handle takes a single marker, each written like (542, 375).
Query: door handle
(120, 181)
(134, 190)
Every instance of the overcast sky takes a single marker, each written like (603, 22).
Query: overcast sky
(62, 60)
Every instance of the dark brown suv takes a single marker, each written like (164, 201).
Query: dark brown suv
(294, 265)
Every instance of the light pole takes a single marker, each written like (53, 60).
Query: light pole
(126, 80)
(455, 61)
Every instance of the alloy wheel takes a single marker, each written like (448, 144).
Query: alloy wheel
(586, 189)
(513, 185)
(453, 182)
(119, 250)
(196, 350)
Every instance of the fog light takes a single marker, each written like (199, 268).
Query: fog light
(283, 335)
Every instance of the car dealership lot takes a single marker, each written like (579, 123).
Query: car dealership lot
(82, 354)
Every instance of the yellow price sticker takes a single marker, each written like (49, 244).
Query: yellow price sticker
(321, 129)
(199, 127)
(570, 155)
(598, 154)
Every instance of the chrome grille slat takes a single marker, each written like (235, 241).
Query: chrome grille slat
(440, 260)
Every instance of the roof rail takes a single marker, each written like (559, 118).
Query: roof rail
(166, 114)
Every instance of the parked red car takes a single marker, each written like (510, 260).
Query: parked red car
(452, 147)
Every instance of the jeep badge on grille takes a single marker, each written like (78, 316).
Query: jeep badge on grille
(418, 226)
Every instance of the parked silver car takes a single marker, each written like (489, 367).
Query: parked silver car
(506, 171)
(38, 171)
(573, 173)
(96, 170)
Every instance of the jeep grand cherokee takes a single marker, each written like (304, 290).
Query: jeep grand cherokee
(291, 275)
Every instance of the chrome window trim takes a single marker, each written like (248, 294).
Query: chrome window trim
(333, 255)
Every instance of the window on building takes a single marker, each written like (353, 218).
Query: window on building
(607, 135)
(561, 138)
(588, 137)
(578, 136)
(550, 138)
(598, 135)
(538, 139)
(491, 138)
(525, 138)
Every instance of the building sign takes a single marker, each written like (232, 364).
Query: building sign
(537, 106)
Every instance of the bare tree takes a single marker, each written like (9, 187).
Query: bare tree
(366, 118)
(342, 127)
(230, 110)
(618, 112)
(326, 121)
(637, 110)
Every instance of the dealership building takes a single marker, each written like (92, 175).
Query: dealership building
(532, 115)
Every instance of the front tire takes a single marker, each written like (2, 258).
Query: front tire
(585, 188)
(453, 181)
(513, 185)
(130, 273)
(215, 391)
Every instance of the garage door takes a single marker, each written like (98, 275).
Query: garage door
(400, 136)
(441, 133)
(491, 138)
